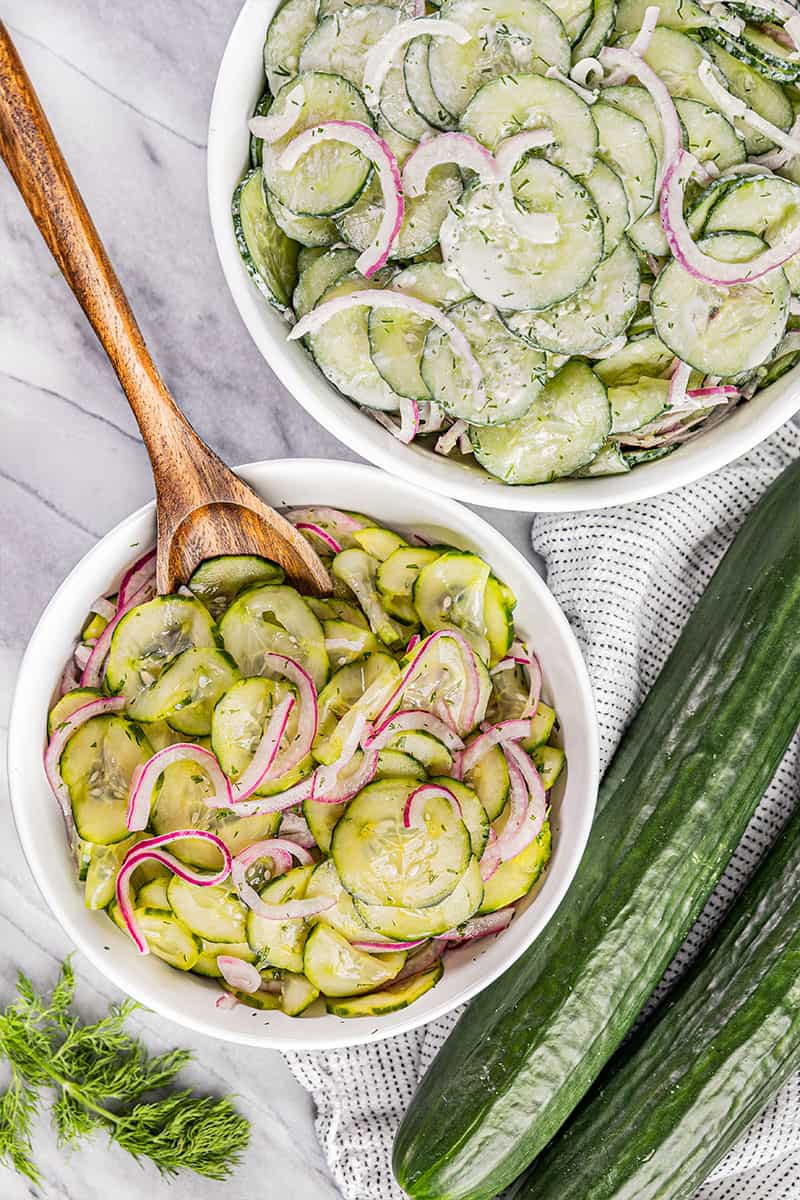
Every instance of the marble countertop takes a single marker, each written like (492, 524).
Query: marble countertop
(127, 88)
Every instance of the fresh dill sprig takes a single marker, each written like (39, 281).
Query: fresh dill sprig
(105, 1079)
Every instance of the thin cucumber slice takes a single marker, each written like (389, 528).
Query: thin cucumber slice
(594, 316)
(398, 574)
(307, 255)
(341, 348)
(321, 819)
(440, 678)
(185, 694)
(342, 916)
(683, 15)
(489, 780)
(169, 938)
(215, 913)
(289, 29)
(403, 924)
(647, 235)
(514, 879)
(281, 943)
(605, 188)
(635, 457)
(473, 813)
(67, 705)
(358, 571)
(710, 137)
(268, 254)
(390, 998)
(516, 102)
(326, 7)
(256, 143)
(721, 331)
(153, 894)
(150, 637)
(308, 231)
(274, 618)
(206, 964)
(499, 603)
(340, 42)
(102, 871)
(218, 581)
(337, 969)
(508, 36)
(319, 275)
(513, 371)
(549, 762)
(541, 727)
(563, 431)
(97, 766)
(624, 145)
(380, 861)
(397, 338)
(362, 687)
(263, 1001)
(450, 593)
(346, 643)
(181, 802)
(332, 174)
(635, 404)
(641, 356)
(758, 50)
(238, 726)
(504, 267)
(765, 205)
(637, 102)
(297, 993)
(425, 749)
(759, 92)
(396, 764)
(419, 89)
(376, 540)
(397, 109)
(598, 31)
(574, 15)
(422, 217)
(332, 608)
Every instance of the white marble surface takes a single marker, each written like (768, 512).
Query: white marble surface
(127, 88)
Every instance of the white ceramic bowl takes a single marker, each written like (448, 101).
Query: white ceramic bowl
(187, 999)
(239, 84)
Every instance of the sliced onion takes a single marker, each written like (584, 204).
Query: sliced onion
(415, 804)
(408, 428)
(720, 393)
(421, 961)
(678, 384)
(458, 148)
(327, 787)
(317, 531)
(386, 947)
(624, 63)
(331, 519)
(143, 571)
(431, 417)
(527, 796)
(70, 679)
(495, 735)
(472, 691)
(104, 608)
(261, 765)
(273, 127)
(61, 735)
(225, 1002)
(786, 14)
(83, 652)
(383, 298)
(413, 718)
(382, 55)
(688, 254)
(612, 347)
(586, 95)
(479, 927)
(732, 106)
(450, 437)
(583, 70)
(308, 720)
(150, 850)
(239, 974)
(145, 778)
(281, 851)
(295, 829)
(412, 642)
(374, 148)
(641, 42)
(92, 675)
(774, 160)
(538, 227)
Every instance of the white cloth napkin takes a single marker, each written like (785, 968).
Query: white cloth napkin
(627, 579)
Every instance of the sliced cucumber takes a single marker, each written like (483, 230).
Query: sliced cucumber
(281, 943)
(67, 705)
(624, 145)
(297, 993)
(516, 102)
(398, 573)
(378, 542)
(337, 969)
(262, 1000)
(765, 205)
(97, 766)
(399, 764)
(710, 137)
(362, 687)
(215, 913)
(358, 571)
(512, 370)
(342, 916)
(417, 79)
(289, 29)
(574, 15)
(473, 814)
(153, 894)
(440, 678)
(605, 188)
(397, 338)
(238, 726)
(489, 780)
(389, 999)
(411, 923)
(758, 50)
(257, 144)
(268, 254)
(647, 235)
(274, 618)
(637, 102)
(685, 15)
(425, 749)
(308, 231)
(759, 92)
(319, 275)
(321, 819)
(346, 643)
(340, 42)
(332, 174)
(150, 637)
(721, 331)
(207, 962)
(422, 216)
(397, 109)
(102, 870)
(450, 593)
(563, 431)
(549, 762)
(332, 608)
(594, 316)
(307, 255)
(598, 31)
(169, 938)
(380, 861)
(507, 36)
(185, 694)
(218, 581)
(635, 404)
(515, 878)
(641, 356)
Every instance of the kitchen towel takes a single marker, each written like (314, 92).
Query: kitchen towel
(627, 579)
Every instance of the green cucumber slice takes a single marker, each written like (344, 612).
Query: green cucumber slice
(308, 231)
(756, 49)
(508, 36)
(549, 762)
(358, 571)
(758, 91)
(605, 188)
(417, 79)
(721, 331)
(185, 693)
(268, 254)
(563, 431)
(319, 275)
(362, 687)
(397, 109)
(513, 371)
(337, 969)
(215, 913)
(274, 618)
(218, 581)
(332, 174)
(514, 879)
(450, 593)
(340, 42)
(765, 205)
(332, 608)
(397, 764)
(489, 780)
(377, 541)
(598, 31)
(102, 870)
(380, 861)
(67, 705)
(636, 404)
(342, 917)
(390, 998)
(710, 137)
(238, 726)
(150, 637)
(321, 820)
(473, 813)
(297, 993)
(499, 603)
(153, 894)
(256, 144)
(683, 15)
(624, 145)
(97, 766)
(422, 218)
(424, 749)
(637, 102)
(574, 15)
(206, 964)
(641, 356)
(281, 943)
(169, 938)
(398, 574)
(289, 29)
(411, 923)
(512, 103)
(345, 643)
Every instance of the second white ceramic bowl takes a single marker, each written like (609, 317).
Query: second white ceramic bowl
(239, 84)
(186, 998)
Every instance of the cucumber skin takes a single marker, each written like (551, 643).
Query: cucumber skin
(681, 1093)
(672, 807)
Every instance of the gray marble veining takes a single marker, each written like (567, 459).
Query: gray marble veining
(127, 88)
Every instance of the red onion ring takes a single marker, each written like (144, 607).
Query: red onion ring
(412, 718)
(280, 850)
(143, 571)
(143, 781)
(479, 927)
(490, 859)
(472, 695)
(503, 731)
(317, 531)
(238, 974)
(412, 813)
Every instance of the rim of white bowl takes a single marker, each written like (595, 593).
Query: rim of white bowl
(235, 93)
(41, 668)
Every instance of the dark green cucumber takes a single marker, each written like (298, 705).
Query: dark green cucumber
(679, 1095)
(673, 805)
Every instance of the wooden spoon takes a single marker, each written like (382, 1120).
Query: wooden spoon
(203, 508)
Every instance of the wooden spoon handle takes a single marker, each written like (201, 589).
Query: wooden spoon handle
(32, 155)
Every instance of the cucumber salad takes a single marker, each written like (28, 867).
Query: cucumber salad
(311, 800)
(553, 239)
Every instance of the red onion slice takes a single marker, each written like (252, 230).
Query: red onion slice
(503, 731)
(678, 384)
(586, 94)
(374, 148)
(149, 850)
(447, 442)
(273, 127)
(264, 760)
(413, 813)
(104, 608)
(239, 974)
(145, 778)
(61, 735)
(295, 829)
(479, 927)
(70, 679)
(281, 851)
(143, 571)
(431, 417)
(413, 718)
(226, 1001)
(317, 531)
(408, 428)
(641, 42)
(584, 70)
(381, 56)
(308, 720)
(83, 652)
(383, 298)
(386, 947)
(458, 148)
(333, 520)
(528, 803)
(472, 690)
(775, 160)
(421, 961)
